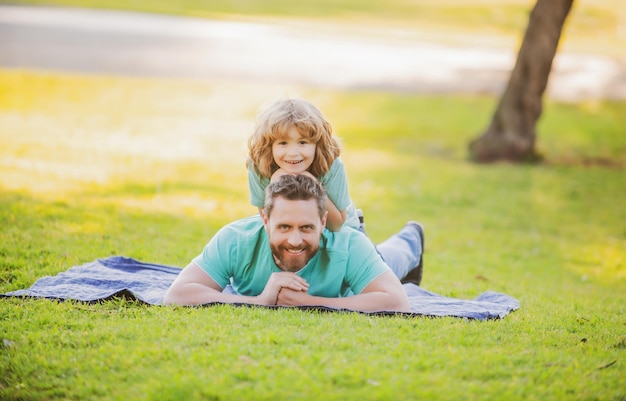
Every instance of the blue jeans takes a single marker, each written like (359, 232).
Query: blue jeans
(402, 251)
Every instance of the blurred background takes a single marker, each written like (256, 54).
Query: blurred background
(416, 46)
(132, 111)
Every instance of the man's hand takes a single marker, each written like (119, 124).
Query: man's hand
(384, 293)
(289, 297)
(282, 281)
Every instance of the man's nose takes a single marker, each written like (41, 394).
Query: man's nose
(295, 238)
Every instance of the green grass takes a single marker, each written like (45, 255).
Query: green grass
(83, 177)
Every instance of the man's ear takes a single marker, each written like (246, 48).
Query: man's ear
(265, 218)
(324, 219)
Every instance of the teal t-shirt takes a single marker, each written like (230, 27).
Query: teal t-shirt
(240, 255)
(335, 182)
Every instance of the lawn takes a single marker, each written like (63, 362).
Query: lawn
(93, 166)
(84, 178)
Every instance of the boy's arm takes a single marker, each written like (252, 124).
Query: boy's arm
(335, 218)
(336, 184)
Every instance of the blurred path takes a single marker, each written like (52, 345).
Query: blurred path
(82, 40)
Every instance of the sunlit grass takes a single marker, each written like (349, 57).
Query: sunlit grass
(151, 169)
(179, 149)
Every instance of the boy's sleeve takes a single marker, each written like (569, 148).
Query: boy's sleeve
(257, 187)
(336, 185)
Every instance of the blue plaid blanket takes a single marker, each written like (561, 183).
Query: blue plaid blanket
(119, 276)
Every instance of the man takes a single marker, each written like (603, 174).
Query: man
(286, 257)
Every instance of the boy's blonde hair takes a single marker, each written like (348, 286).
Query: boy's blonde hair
(273, 123)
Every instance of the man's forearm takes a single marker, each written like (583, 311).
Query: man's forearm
(198, 294)
(371, 302)
(365, 302)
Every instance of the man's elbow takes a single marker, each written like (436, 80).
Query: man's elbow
(172, 297)
(403, 305)
(399, 302)
(167, 299)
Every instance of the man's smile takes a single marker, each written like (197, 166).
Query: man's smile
(295, 251)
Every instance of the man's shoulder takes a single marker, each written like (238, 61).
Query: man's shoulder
(346, 238)
(248, 227)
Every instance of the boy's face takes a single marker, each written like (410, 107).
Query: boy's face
(294, 154)
(294, 228)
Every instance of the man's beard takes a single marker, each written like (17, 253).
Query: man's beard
(289, 262)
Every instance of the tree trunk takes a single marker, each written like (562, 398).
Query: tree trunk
(511, 134)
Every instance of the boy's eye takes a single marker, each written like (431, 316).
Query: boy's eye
(303, 142)
(280, 142)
